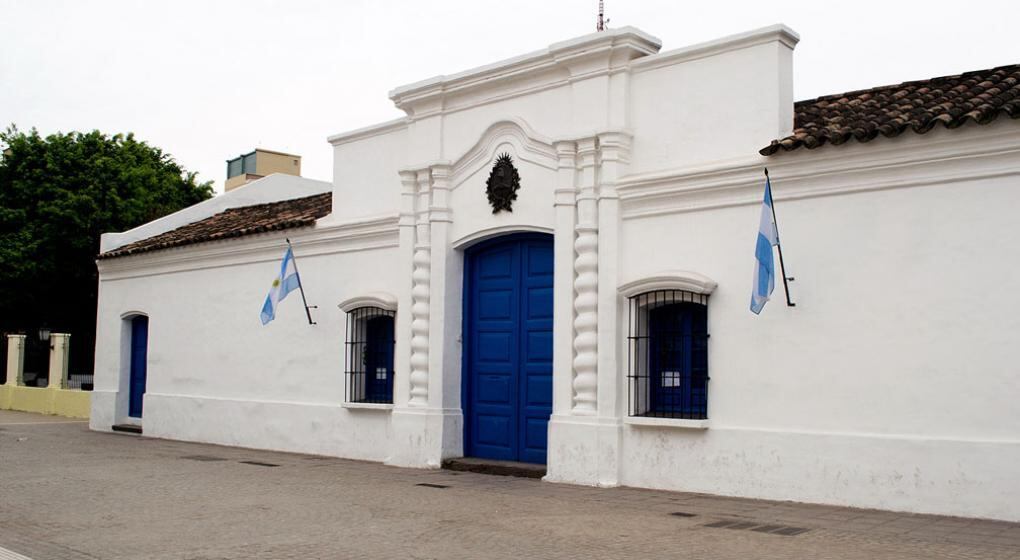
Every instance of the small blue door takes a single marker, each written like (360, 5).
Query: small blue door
(139, 349)
(508, 320)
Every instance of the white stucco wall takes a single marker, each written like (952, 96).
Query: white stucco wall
(364, 171)
(889, 385)
(699, 104)
(215, 374)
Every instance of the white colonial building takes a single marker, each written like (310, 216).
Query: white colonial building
(554, 306)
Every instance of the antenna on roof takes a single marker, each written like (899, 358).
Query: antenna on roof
(601, 25)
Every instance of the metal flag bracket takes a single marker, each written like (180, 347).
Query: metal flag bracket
(301, 286)
(779, 246)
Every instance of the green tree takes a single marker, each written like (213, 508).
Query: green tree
(57, 195)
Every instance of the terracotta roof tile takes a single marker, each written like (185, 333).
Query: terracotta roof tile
(950, 101)
(235, 222)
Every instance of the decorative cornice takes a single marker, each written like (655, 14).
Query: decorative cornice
(361, 235)
(567, 60)
(669, 280)
(773, 33)
(940, 157)
(566, 150)
(368, 131)
(382, 300)
(528, 146)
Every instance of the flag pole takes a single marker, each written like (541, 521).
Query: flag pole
(301, 285)
(779, 245)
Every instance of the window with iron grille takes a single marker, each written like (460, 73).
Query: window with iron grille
(668, 355)
(370, 344)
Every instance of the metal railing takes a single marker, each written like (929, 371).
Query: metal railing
(79, 381)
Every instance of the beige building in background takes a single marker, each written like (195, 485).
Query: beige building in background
(257, 164)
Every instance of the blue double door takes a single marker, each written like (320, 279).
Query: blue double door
(508, 335)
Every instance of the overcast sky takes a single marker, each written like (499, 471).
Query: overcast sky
(209, 80)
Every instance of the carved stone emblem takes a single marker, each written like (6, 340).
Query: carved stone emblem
(503, 183)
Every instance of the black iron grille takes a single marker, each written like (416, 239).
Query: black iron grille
(668, 355)
(370, 346)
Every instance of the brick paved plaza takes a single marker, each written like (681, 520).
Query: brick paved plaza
(67, 493)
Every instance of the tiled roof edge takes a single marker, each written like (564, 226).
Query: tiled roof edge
(832, 117)
(154, 243)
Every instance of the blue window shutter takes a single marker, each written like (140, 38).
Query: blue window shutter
(678, 360)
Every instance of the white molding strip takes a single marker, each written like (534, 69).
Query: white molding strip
(382, 300)
(669, 280)
(488, 233)
(368, 131)
(765, 35)
(376, 407)
(528, 145)
(529, 63)
(939, 157)
(646, 421)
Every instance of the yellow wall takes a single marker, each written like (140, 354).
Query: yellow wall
(60, 402)
(268, 162)
(238, 180)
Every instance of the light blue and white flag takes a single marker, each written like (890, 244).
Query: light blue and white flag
(764, 266)
(287, 281)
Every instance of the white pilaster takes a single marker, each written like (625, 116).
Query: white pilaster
(427, 426)
(444, 326)
(614, 155)
(574, 429)
(411, 388)
(585, 439)
(407, 221)
(563, 282)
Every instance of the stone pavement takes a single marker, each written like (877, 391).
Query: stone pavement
(68, 493)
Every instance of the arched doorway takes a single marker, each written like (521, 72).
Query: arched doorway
(508, 339)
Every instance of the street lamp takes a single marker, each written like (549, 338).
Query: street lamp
(44, 334)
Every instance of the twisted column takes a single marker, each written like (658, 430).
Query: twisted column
(586, 268)
(586, 284)
(420, 289)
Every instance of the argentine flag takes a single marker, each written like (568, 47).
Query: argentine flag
(285, 283)
(764, 266)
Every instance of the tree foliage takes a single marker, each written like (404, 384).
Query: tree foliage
(57, 195)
